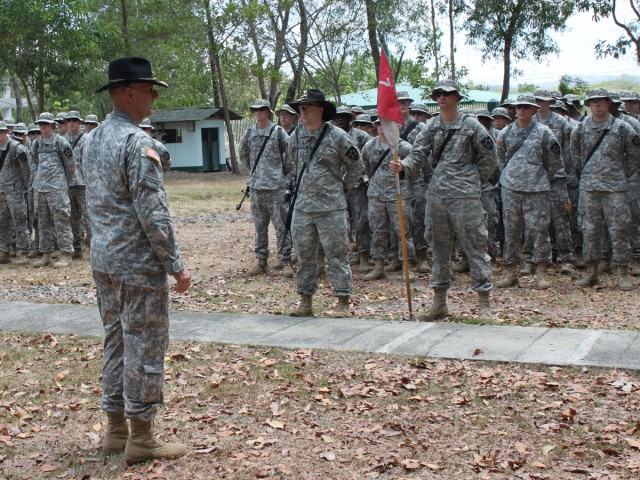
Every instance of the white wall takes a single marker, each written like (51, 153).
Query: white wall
(189, 152)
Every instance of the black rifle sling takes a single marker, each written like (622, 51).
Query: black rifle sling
(384, 155)
(264, 144)
(516, 146)
(411, 127)
(436, 159)
(4, 155)
(75, 142)
(595, 147)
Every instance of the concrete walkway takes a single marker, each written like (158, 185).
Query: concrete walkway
(553, 346)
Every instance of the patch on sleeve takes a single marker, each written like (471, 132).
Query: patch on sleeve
(636, 140)
(353, 154)
(152, 154)
(67, 152)
(23, 156)
(555, 148)
(488, 143)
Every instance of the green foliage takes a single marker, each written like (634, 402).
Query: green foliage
(625, 82)
(572, 84)
(527, 87)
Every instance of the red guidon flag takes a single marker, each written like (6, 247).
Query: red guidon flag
(388, 105)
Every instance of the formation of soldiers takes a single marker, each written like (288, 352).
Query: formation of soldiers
(43, 209)
(533, 182)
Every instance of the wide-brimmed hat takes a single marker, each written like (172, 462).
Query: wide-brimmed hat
(363, 119)
(508, 103)
(20, 128)
(445, 86)
(45, 117)
(287, 109)
(482, 112)
(500, 112)
(33, 128)
(572, 99)
(526, 99)
(259, 104)
(146, 123)
(357, 110)
(3, 126)
(373, 113)
(596, 93)
(627, 96)
(130, 70)
(615, 98)
(10, 122)
(91, 118)
(344, 110)
(544, 95)
(403, 95)
(419, 108)
(559, 105)
(315, 96)
(73, 115)
(60, 117)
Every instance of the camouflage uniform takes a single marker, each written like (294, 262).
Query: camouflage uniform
(525, 181)
(383, 198)
(320, 215)
(604, 185)
(14, 182)
(453, 196)
(358, 202)
(133, 248)
(55, 171)
(268, 185)
(165, 156)
(77, 194)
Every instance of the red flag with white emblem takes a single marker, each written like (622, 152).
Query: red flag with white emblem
(388, 105)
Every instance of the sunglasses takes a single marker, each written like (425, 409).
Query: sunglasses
(523, 107)
(442, 93)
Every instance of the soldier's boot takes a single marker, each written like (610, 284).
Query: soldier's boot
(259, 269)
(412, 276)
(354, 258)
(635, 268)
(33, 253)
(484, 307)
(580, 264)
(287, 270)
(143, 445)
(394, 265)
(305, 309)
(13, 251)
(423, 262)
(77, 253)
(529, 268)
(462, 265)
(378, 272)
(364, 263)
(5, 257)
(64, 262)
(279, 265)
(55, 254)
(43, 261)
(591, 278)
(438, 309)
(567, 269)
(116, 434)
(623, 281)
(605, 266)
(22, 259)
(342, 309)
(511, 278)
(541, 274)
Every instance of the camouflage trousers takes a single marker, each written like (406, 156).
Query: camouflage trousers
(359, 215)
(383, 219)
(634, 210)
(610, 209)
(331, 230)
(32, 216)
(574, 223)
(79, 219)
(466, 219)
(526, 214)
(13, 218)
(54, 211)
(268, 206)
(488, 200)
(135, 316)
(419, 211)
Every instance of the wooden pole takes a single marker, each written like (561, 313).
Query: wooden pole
(405, 256)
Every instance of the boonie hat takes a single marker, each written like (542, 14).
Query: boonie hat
(482, 113)
(45, 117)
(260, 104)
(33, 128)
(403, 95)
(343, 110)
(357, 110)
(3, 126)
(420, 108)
(146, 123)
(10, 122)
(20, 128)
(627, 96)
(559, 105)
(315, 96)
(542, 94)
(287, 109)
(129, 70)
(91, 118)
(363, 119)
(596, 93)
(73, 115)
(508, 103)
(60, 117)
(526, 99)
(500, 112)
(445, 86)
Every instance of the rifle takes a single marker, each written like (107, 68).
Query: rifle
(247, 193)
(264, 144)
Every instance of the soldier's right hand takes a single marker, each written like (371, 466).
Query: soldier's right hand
(183, 280)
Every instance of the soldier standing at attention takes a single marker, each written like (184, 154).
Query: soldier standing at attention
(463, 159)
(55, 172)
(133, 250)
(327, 167)
(287, 117)
(263, 150)
(90, 123)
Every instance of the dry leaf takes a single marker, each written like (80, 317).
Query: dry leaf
(275, 424)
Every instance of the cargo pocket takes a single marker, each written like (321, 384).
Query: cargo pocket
(152, 383)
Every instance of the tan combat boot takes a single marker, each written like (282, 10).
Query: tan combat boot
(462, 265)
(43, 261)
(591, 278)
(511, 279)
(259, 269)
(305, 309)
(528, 269)
(567, 269)
(64, 262)
(484, 307)
(364, 263)
(22, 259)
(423, 262)
(278, 265)
(342, 309)
(5, 257)
(115, 434)
(33, 253)
(77, 253)
(13, 251)
(378, 272)
(623, 278)
(438, 309)
(541, 274)
(287, 270)
(143, 445)
(605, 266)
(394, 265)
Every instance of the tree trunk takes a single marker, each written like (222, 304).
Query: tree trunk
(18, 96)
(278, 52)
(506, 77)
(294, 86)
(452, 60)
(372, 28)
(435, 49)
(212, 64)
(251, 22)
(125, 27)
(32, 110)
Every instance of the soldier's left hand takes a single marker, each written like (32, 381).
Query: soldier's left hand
(183, 280)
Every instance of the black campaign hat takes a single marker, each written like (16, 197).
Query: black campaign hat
(129, 70)
(315, 96)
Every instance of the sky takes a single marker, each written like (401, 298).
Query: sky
(577, 57)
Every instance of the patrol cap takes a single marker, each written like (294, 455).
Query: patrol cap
(363, 119)
(627, 96)
(146, 123)
(482, 113)
(500, 112)
(45, 117)
(61, 117)
(287, 109)
(33, 128)
(403, 95)
(10, 122)
(91, 118)
(596, 93)
(419, 108)
(344, 110)
(315, 96)
(526, 99)
(73, 115)
(357, 110)
(446, 86)
(559, 105)
(260, 104)
(20, 128)
(3, 127)
(544, 95)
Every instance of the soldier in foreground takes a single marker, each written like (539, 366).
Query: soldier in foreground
(133, 250)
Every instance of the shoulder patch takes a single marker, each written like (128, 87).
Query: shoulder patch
(636, 140)
(555, 147)
(487, 142)
(67, 152)
(152, 154)
(352, 153)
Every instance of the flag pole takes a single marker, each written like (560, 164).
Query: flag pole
(403, 237)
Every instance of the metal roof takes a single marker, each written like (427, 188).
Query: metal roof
(190, 114)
